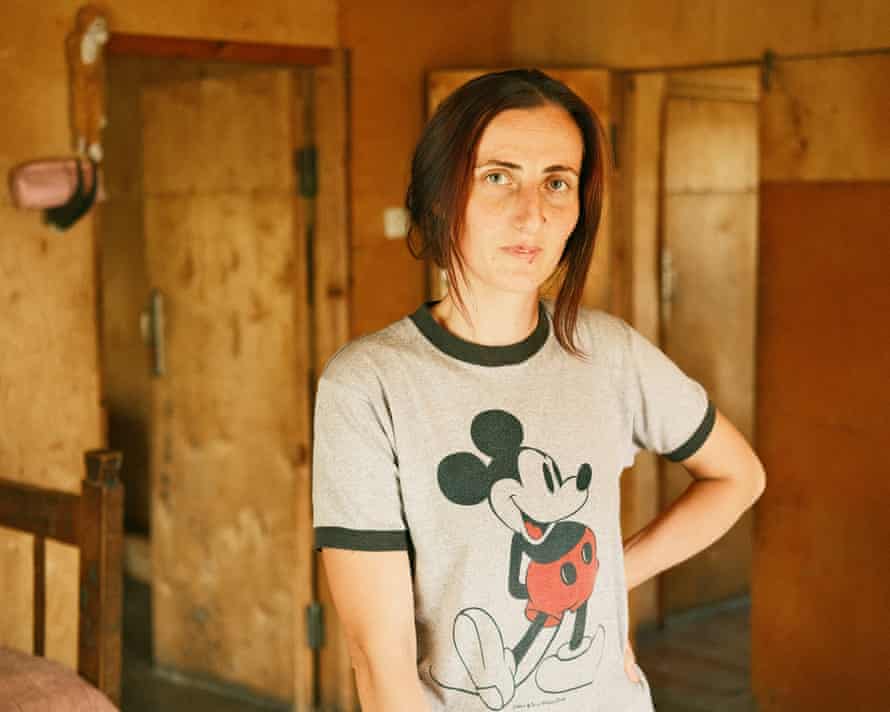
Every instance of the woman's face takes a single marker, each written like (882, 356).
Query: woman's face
(524, 199)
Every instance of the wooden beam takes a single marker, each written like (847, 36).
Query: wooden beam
(216, 50)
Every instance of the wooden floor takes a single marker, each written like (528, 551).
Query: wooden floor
(700, 662)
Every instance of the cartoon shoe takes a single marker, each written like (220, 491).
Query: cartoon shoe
(570, 669)
(489, 664)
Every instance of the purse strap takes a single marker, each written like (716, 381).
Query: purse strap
(64, 216)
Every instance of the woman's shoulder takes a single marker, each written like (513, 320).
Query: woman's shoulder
(595, 327)
(360, 358)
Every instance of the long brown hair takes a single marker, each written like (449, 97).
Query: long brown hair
(442, 169)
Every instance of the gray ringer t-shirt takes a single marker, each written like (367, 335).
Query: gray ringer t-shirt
(497, 468)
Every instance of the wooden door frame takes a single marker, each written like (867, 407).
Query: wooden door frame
(328, 270)
(199, 48)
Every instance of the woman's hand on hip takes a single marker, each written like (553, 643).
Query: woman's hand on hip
(630, 663)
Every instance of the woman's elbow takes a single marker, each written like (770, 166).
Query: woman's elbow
(382, 650)
(757, 482)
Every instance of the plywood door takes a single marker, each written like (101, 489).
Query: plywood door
(231, 543)
(594, 87)
(709, 287)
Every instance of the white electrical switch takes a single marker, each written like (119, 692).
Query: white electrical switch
(395, 223)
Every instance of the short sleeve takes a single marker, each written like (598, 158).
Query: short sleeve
(356, 500)
(672, 413)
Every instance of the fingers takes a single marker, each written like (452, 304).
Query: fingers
(630, 664)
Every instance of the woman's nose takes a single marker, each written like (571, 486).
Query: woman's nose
(529, 210)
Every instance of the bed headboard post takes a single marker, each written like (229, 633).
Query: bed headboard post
(101, 572)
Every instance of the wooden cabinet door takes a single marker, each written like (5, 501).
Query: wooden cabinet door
(230, 516)
(594, 86)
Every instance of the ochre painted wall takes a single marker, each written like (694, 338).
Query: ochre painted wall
(49, 378)
(393, 44)
(654, 33)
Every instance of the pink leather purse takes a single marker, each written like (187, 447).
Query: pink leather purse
(45, 183)
(61, 187)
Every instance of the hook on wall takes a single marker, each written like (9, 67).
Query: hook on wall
(86, 63)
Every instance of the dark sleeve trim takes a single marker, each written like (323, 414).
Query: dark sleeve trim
(697, 439)
(360, 540)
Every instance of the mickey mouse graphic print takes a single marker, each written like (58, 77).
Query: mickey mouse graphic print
(497, 469)
(525, 491)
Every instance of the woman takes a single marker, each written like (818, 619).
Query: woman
(467, 457)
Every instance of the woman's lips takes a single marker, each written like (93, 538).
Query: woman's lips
(526, 253)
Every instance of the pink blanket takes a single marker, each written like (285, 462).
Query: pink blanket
(33, 684)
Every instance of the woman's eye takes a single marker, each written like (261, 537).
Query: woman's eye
(558, 185)
(497, 178)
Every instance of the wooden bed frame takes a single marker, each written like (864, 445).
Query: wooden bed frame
(93, 522)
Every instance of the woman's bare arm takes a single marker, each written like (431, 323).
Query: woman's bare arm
(728, 480)
(374, 598)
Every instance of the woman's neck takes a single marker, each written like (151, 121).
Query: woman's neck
(499, 321)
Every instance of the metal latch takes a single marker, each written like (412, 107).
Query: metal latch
(151, 324)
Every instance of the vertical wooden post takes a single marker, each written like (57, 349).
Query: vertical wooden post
(331, 322)
(639, 294)
(39, 595)
(101, 572)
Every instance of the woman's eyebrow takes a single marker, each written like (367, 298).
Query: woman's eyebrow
(560, 169)
(516, 167)
(502, 164)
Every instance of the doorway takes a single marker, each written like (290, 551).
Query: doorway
(211, 333)
(690, 147)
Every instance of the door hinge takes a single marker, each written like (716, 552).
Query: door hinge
(613, 138)
(767, 69)
(315, 625)
(306, 165)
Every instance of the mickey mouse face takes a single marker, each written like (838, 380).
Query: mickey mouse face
(540, 497)
(524, 486)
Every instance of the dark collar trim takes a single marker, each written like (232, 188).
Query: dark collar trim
(481, 354)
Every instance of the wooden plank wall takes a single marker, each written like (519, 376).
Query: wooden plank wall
(651, 33)
(821, 585)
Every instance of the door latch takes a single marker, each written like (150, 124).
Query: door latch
(151, 324)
